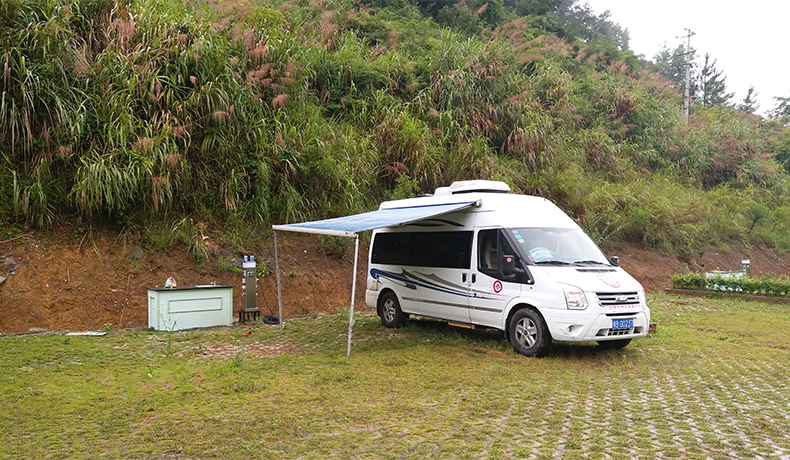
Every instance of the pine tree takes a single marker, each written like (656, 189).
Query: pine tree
(782, 108)
(713, 85)
(749, 103)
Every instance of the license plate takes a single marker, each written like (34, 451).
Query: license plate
(621, 324)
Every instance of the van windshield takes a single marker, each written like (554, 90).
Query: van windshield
(558, 246)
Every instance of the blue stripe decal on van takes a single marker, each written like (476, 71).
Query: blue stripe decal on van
(407, 279)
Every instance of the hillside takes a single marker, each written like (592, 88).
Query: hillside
(137, 114)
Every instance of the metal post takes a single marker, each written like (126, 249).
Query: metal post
(277, 269)
(353, 292)
(686, 96)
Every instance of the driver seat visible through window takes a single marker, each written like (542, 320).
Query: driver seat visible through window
(488, 251)
(491, 253)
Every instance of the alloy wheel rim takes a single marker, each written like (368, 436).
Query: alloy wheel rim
(389, 310)
(526, 332)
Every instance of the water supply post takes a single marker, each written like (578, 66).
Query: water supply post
(249, 290)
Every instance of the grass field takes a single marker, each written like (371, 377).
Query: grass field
(714, 382)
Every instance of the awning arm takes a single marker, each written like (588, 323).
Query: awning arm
(316, 231)
(277, 270)
(353, 291)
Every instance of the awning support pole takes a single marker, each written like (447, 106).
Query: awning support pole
(353, 293)
(277, 270)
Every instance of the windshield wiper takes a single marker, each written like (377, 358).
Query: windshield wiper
(589, 262)
(551, 262)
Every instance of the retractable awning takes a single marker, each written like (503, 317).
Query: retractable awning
(351, 225)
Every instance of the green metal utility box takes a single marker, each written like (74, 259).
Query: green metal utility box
(187, 307)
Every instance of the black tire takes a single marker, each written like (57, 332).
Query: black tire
(529, 333)
(389, 310)
(614, 344)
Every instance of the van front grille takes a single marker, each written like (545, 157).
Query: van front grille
(617, 298)
(606, 332)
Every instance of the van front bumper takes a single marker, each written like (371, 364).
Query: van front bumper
(371, 298)
(579, 326)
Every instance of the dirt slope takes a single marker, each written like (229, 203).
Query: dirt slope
(65, 283)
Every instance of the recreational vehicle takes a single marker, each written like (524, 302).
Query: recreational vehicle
(512, 262)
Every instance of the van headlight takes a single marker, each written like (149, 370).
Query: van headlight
(574, 297)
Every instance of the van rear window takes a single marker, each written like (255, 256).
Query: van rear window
(423, 249)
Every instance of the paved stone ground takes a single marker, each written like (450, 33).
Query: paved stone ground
(741, 412)
(682, 403)
(685, 404)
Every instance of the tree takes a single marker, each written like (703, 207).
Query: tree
(671, 64)
(575, 21)
(469, 17)
(749, 103)
(713, 85)
(432, 7)
(782, 108)
(536, 7)
(582, 22)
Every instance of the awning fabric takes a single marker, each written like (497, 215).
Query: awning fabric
(351, 225)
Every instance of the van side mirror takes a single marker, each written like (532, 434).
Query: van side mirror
(615, 261)
(508, 265)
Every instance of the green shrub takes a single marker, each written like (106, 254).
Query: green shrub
(765, 285)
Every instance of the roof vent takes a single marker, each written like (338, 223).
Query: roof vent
(468, 186)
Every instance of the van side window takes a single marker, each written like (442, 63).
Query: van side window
(492, 246)
(423, 249)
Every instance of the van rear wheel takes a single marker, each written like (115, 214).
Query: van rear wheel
(390, 312)
(529, 334)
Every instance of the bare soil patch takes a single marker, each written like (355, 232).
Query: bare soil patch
(65, 283)
(60, 282)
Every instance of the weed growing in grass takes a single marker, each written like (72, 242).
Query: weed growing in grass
(237, 362)
(263, 268)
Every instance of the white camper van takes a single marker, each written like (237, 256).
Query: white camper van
(511, 262)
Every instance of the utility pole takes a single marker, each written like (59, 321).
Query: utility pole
(686, 97)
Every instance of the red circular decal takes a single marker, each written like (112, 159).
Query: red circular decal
(497, 286)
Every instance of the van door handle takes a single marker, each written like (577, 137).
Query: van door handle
(463, 278)
(474, 278)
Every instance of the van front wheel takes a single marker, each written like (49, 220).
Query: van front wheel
(390, 312)
(529, 334)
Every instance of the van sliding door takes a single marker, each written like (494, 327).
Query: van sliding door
(443, 269)
(427, 270)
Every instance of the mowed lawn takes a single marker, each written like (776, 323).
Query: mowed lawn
(714, 382)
